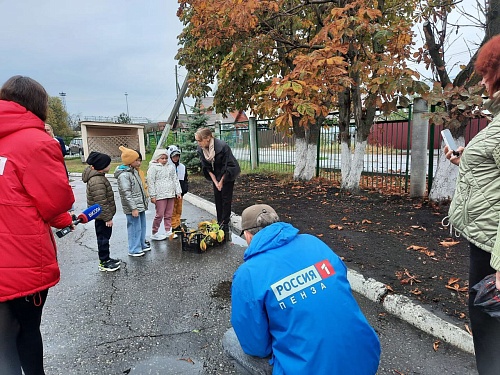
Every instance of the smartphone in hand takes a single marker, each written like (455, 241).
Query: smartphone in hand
(450, 142)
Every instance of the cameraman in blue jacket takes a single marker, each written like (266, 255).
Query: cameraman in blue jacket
(291, 300)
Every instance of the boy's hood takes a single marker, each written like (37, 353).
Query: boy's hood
(121, 169)
(88, 173)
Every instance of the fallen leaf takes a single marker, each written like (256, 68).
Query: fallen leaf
(410, 279)
(416, 292)
(419, 227)
(467, 328)
(335, 226)
(449, 243)
(188, 360)
(365, 221)
(435, 346)
(457, 288)
(416, 247)
(453, 280)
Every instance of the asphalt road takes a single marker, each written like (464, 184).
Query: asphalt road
(166, 312)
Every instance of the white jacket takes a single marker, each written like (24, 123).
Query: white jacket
(163, 182)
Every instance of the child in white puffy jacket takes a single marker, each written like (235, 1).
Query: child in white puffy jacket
(164, 188)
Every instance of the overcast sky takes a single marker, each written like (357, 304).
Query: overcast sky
(95, 51)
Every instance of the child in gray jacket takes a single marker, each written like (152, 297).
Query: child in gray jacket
(134, 201)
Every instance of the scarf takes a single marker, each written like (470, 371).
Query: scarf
(209, 153)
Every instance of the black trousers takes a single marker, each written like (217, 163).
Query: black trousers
(223, 200)
(103, 234)
(21, 341)
(485, 329)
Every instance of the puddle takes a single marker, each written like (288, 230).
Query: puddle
(237, 240)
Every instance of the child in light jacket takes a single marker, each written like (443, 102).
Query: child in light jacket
(164, 188)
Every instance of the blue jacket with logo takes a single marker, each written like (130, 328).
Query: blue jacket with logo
(291, 299)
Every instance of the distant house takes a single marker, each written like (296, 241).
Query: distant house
(230, 120)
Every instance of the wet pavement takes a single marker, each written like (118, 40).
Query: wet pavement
(156, 315)
(166, 312)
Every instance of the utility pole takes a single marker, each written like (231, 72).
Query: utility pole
(178, 90)
(173, 114)
(63, 99)
(126, 100)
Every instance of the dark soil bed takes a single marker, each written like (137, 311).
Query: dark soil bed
(394, 239)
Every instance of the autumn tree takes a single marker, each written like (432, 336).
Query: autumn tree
(456, 96)
(296, 61)
(376, 38)
(57, 117)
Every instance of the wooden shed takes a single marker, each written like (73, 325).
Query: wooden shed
(106, 137)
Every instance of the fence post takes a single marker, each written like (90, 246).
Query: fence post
(419, 154)
(252, 130)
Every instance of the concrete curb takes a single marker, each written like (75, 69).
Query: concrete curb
(400, 306)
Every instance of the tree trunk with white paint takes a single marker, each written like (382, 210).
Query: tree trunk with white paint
(305, 160)
(352, 165)
(306, 149)
(445, 178)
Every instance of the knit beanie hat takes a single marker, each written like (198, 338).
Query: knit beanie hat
(128, 155)
(173, 150)
(98, 160)
(159, 152)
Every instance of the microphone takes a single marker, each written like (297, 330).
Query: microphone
(90, 213)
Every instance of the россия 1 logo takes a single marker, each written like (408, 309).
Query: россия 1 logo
(302, 279)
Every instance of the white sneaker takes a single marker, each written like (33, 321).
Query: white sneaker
(158, 237)
(175, 234)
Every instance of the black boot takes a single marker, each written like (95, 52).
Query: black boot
(227, 232)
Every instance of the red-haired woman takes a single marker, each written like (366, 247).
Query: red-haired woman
(475, 209)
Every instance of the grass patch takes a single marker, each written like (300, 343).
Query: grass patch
(75, 164)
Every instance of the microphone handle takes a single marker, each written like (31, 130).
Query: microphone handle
(64, 231)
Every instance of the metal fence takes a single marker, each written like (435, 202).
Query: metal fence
(387, 159)
(385, 165)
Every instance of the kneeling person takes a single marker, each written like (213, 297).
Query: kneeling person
(291, 299)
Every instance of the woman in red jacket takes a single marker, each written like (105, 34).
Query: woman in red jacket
(34, 195)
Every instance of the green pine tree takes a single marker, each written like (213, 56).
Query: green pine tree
(188, 144)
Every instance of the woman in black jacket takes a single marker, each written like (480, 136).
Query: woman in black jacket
(218, 165)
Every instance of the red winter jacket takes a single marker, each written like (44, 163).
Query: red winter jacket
(34, 195)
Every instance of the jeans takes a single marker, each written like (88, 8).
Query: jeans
(485, 329)
(136, 230)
